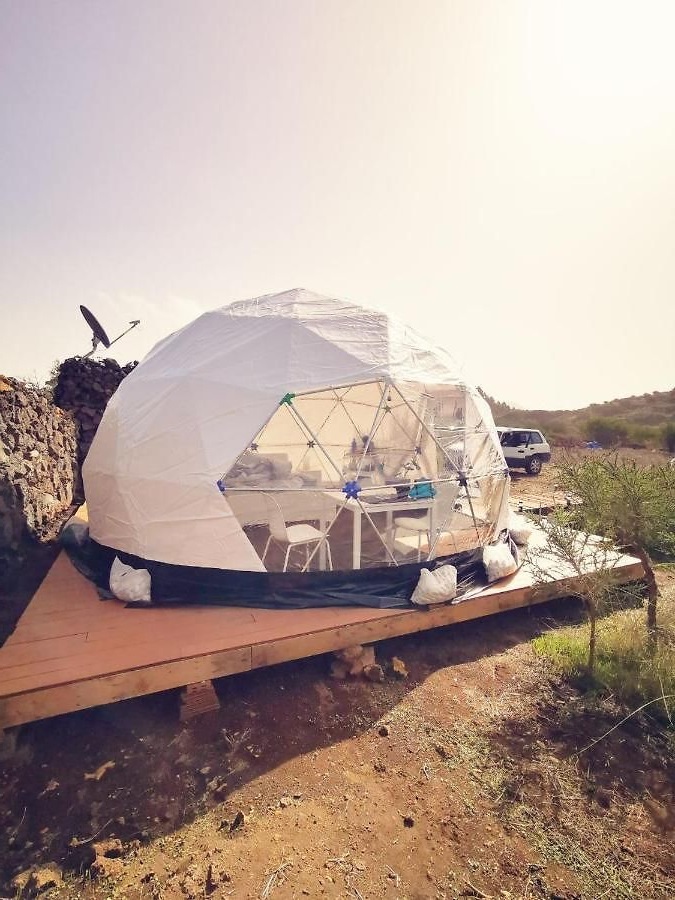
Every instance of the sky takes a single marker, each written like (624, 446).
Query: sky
(498, 174)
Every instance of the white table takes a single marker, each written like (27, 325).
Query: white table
(250, 508)
(359, 509)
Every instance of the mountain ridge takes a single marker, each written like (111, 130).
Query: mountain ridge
(642, 414)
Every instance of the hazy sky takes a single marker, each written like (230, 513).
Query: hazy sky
(499, 174)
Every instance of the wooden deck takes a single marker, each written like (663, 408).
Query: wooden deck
(72, 651)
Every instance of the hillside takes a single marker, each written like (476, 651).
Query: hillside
(644, 417)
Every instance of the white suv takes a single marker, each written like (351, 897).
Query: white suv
(524, 448)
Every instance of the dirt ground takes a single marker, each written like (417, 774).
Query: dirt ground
(470, 777)
(544, 490)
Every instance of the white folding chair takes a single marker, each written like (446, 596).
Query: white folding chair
(446, 496)
(290, 536)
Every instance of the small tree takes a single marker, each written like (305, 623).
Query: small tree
(588, 559)
(632, 505)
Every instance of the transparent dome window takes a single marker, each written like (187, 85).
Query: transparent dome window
(367, 475)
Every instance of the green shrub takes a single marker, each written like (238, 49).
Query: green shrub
(608, 432)
(627, 502)
(669, 437)
(640, 436)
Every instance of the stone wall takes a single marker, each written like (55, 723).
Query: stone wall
(38, 466)
(43, 442)
(83, 388)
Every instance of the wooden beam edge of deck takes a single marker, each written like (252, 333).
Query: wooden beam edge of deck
(52, 700)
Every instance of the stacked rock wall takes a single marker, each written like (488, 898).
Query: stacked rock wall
(83, 388)
(43, 442)
(38, 465)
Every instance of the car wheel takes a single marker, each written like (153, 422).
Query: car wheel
(533, 465)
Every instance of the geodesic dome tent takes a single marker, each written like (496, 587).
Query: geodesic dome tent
(295, 450)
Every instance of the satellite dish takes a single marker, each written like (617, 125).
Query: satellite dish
(99, 335)
(96, 327)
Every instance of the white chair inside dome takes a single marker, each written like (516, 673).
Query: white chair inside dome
(290, 536)
(446, 498)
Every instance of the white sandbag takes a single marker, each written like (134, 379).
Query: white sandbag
(438, 586)
(127, 583)
(520, 528)
(498, 561)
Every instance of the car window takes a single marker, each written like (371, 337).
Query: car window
(536, 437)
(514, 438)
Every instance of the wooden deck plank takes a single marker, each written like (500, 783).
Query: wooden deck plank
(317, 617)
(67, 651)
(131, 621)
(56, 672)
(77, 602)
(52, 648)
(108, 609)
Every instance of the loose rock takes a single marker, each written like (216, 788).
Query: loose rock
(238, 822)
(111, 848)
(42, 879)
(353, 661)
(374, 673)
(399, 667)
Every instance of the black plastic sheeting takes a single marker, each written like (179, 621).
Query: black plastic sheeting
(385, 587)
